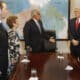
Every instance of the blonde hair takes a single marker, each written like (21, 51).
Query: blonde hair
(77, 10)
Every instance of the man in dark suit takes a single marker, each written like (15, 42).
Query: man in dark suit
(74, 34)
(34, 33)
(3, 43)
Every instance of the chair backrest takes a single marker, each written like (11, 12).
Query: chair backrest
(51, 33)
(50, 46)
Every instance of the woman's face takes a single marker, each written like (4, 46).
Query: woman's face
(16, 24)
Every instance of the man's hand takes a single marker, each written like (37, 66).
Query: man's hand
(52, 40)
(75, 42)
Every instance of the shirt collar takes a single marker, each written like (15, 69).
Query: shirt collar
(35, 20)
(79, 20)
(0, 21)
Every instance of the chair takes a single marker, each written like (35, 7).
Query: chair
(48, 45)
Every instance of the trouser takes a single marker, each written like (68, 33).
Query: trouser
(3, 64)
(75, 50)
(4, 77)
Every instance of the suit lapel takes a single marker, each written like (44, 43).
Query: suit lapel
(77, 32)
(36, 27)
(74, 23)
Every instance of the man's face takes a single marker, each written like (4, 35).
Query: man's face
(77, 13)
(4, 11)
(37, 16)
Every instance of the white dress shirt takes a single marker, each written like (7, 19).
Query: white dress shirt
(0, 21)
(38, 25)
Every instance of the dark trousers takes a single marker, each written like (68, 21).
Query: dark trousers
(3, 64)
(4, 77)
(75, 50)
(36, 49)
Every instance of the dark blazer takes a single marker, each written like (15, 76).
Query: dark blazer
(32, 35)
(73, 34)
(3, 50)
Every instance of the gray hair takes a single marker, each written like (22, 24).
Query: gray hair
(33, 12)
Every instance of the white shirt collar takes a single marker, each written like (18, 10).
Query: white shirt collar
(35, 20)
(37, 23)
(0, 21)
(79, 20)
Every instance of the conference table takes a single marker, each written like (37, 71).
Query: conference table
(49, 66)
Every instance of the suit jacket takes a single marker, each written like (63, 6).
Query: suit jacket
(32, 35)
(74, 34)
(3, 50)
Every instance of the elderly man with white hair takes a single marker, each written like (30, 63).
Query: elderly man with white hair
(34, 33)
